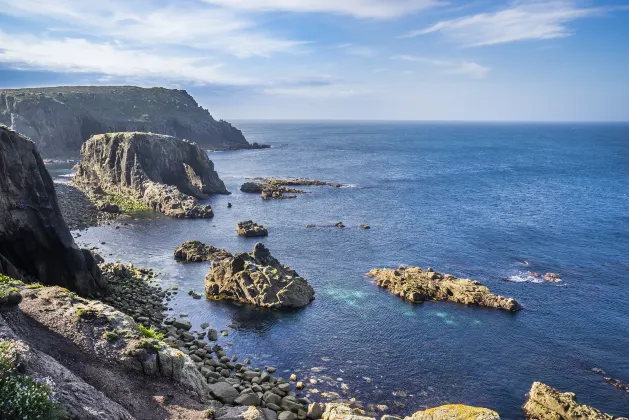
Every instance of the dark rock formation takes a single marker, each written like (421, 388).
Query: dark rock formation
(195, 251)
(250, 229)
(60, 119)
(258, 279)
(35, 242)
(417, 285)
(277, 189)
(546, 403)
(164, 173)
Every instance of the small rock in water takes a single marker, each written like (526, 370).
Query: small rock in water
(205, 325)
(293, 377)
(224, 333)
(229, 205)
(364, 226)
(271, 369)
(340, 225)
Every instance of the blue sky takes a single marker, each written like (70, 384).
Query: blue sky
(335, 59)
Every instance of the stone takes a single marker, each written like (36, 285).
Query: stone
(247, 399)
(364, 226)
(293, 377)
(455, 411)
(35, 241)
(334, 411)
(224, 392)
(315, 410)
(59, 124)
(250, 229)
(340, 225)
(271, 398)
(278, 189)
(417, 285)
(300, 385)
(244, 413)
(195, 251)
(157, 172)
(258, 279)
(546, 403)
(251, 187)
(182, 324)
(287, 415)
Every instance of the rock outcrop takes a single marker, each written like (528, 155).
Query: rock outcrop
(279, 189)
(258, 279)
(455, 412)
(35, 242)
(546, 403)
(195, 251)
(164, 173)
(60, 119)
(417, 285)
(250, 229)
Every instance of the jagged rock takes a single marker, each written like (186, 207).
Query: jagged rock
(276, 189)
(244, 413)
(195, 251)
(546, 403)
(455, 412)
(35, 241)
(334, 411)
(417, 285)
(251, 187)
(164, 173)
(259, 279)
(60, 119)
(250, 229)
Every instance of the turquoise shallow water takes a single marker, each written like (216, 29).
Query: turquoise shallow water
(473, 200)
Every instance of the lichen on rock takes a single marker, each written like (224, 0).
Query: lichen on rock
(417, 285)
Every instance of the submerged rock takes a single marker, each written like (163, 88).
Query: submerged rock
(417, 285)
(60, 119)
(546, 403)
(163, 173)
(258, 279)
(195, 251)
(250, 229)
(455, 412)
(35, 241)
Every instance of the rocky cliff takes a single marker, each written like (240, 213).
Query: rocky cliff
(35, 242)
(165, 173)
(60, 119)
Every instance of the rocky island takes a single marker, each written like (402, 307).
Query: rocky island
(249, 229)
(60, 119)
(417, 285)
(195, 251)
(258, 279)
(159, 172)
(279, 189)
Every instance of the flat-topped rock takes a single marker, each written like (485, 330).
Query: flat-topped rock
(546, 403)
(163, 173)
(417, 285)
(455, 412)
(250, 229)
(258, 279)
(196, 251)
(35, 241)
(278, 189)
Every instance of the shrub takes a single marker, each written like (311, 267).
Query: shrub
(111, 336)
(150, 333)
(148, 344)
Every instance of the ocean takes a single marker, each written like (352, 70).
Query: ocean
(487, 201)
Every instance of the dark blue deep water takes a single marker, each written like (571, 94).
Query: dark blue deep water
(473, 200)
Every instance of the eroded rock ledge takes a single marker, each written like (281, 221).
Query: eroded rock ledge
(278, 189)
(35, 242)
(196, 251)
(163, 173)
(417, 285)
(258, 279)
(546, 403)
(250, 229)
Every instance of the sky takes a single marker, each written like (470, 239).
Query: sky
(556, 60)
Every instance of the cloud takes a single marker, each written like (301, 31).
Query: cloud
(463, 67)
(376, 9)
(521, 21)
(150, 23)
(76, 55)
(314, 92)
(357, 50)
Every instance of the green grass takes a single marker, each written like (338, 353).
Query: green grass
(8, 285)
(111, 336)
(83, 312)
(148, 344)
(126, 204)
(150, 333)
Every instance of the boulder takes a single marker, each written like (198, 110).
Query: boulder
(334, 411)
(251, 187)
(258, 279)
(417, 285)
(195, 251)
(224, 392)
(35, 241)
(159, 172)
(546, 403)
(60, 119)
(244, 413)
(455, 412)
(250, 229)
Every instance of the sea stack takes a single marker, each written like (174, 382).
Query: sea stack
(417, 285)
(164, 173)
(258, 279)
(35, 242)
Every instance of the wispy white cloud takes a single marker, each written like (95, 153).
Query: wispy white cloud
(523, 20)
(359, 50)
(317, 92)
(377, 9)
(76, 55)
(463, 67)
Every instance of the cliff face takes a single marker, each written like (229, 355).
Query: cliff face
(34, 239)
(60, 119)
(165, 173)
